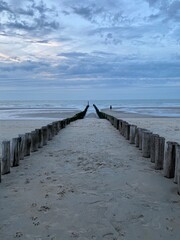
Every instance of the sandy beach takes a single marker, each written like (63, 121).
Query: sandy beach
(12, 128)
(167, 127)
(88, 183)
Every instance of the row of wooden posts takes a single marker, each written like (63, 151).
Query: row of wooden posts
(22, 146)
(164, 154)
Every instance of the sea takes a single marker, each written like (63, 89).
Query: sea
(21, 109)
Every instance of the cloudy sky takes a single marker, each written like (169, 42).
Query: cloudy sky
(89, 49)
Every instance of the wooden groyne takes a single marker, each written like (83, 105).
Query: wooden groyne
(164, 154)
(22, 146)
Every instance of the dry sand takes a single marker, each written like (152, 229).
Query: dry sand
(88, 183)
(12, 128)
(165, 127)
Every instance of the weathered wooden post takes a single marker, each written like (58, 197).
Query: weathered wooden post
(39, 133)
(112, 120)
(137, 137)
(52, 129)
(6, 159)
(140, 132)
(59, 126)
(170, 158)
(49, 132)
(123, 128)
(28, 141)
(159, 152)
(120, 126)
(34, 142)
(116, 123)
(146, 143)
(22, 146)
(62, 124)
(152, 153)
(45, 135)
(177, 167)
(132, 134)
(56, 128)
(177, 163)
(15, 153)
(127, 130)
(140, 137)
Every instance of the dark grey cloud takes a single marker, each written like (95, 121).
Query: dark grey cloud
(88, 12)
(103, 15)
(33, 17)
(168, 10)
(4, 7)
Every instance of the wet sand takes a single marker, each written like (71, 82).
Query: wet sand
(88, 183)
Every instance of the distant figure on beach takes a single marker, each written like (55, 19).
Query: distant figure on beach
(110, 107)
(88, 103)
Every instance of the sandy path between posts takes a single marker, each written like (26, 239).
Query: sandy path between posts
(88, 183)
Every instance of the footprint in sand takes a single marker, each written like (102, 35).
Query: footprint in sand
(34, 204)
(74, 235)
(18, 235)
(44, 209)
(35, 221)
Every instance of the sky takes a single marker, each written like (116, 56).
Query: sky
(106, 49)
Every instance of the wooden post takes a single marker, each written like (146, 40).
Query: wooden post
(39, 133)
(152, 153)
(159, 152)
(137, 137)
(177, 163)
(22, 146)
(56, 128)
(59, 125)
(28, 141)
(62, 124)
(34, 143)
(132, 134)
(170, 158)
(116, 123)
(146, 143)
(15, 153)
(52, 129)
(127, 131)
(123, 128)
(6, 159)
(177, 167)
(120, 126)
(49, 132)
(45, 135)
(140, 138)
(112, 120)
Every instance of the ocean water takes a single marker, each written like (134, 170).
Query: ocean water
(18, 109)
